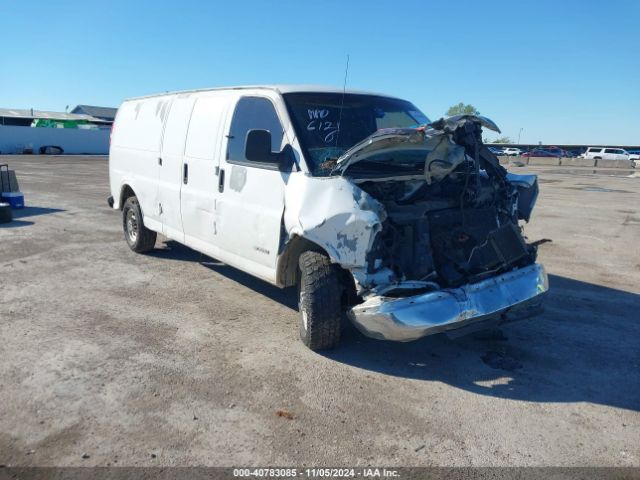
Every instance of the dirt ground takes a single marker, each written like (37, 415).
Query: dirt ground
(113, 358)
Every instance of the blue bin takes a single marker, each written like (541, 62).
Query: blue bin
(15, 199)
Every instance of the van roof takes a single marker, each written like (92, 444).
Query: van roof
(281, 88)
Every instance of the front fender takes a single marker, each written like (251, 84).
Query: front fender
(335, 214)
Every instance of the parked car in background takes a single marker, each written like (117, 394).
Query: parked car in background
(634, 154)
(538, 152)
(602, 153)
(549, 152)
(497, 151)
(51, 150)
(576, 152)
(559, 152)
(512, 151)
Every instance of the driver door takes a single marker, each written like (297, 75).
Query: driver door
(251, 194)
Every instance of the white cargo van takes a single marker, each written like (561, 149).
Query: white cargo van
(409, 227)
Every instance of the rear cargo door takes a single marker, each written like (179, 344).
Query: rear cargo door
(135, 147)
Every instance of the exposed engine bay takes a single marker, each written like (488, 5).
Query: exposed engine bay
(426, 222)
(456, 231)
(456, 222)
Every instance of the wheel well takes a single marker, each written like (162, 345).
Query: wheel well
(288, 271)
(125, 193)
(287, 274)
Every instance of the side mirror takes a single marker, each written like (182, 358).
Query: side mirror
(257, 147)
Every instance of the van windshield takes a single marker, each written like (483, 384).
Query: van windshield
(328, 124)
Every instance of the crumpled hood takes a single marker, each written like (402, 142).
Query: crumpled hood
(435, 140)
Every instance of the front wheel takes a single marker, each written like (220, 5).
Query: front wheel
(139, 238)
(319, 301)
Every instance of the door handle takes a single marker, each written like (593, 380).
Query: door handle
(221, 181)
(160, 161)
(185, 173)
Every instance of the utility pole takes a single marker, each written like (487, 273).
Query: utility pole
(520, 133)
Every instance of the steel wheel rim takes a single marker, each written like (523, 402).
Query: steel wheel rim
(132, 226)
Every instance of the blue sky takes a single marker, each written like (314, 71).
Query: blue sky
(563, 71)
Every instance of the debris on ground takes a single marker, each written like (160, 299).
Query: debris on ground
(285, 414)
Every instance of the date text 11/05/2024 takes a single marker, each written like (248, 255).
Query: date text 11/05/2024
(368, 472)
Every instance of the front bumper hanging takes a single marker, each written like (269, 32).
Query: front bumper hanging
(510, 296)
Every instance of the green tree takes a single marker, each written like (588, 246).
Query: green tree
(501, 140)
(462, 109)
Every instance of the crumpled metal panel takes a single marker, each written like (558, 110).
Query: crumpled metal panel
(434, 140)
(456, 121)
(410, 318)
(443, 159)
(528, 190)
(335, 214)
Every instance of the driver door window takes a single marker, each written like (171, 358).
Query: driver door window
(252, 113)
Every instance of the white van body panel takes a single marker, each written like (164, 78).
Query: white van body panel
(335, 214)
(201, 159)
(134, 152)
(156, 138)
(254, 199)
(173, 144)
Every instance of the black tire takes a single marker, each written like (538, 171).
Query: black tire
(6, 215)
(139, 238)
(319, 301)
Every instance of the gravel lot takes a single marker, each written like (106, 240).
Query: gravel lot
(175, 359)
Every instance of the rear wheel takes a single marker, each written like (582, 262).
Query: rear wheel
(139, 238)
(320, 303)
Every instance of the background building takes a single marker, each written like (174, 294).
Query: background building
(103, 113)
(28, 130)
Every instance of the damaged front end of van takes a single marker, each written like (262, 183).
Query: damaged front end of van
(427, 222)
